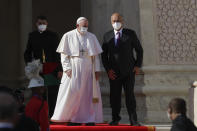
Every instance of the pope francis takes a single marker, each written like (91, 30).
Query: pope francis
(79, 97)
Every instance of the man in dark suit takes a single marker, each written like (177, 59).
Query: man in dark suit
(118, 60)
(177, 113)
(42, 44)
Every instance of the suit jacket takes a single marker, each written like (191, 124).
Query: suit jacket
(121, 58)
(182, 123)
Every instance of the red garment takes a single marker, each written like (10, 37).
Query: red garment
(41, 117)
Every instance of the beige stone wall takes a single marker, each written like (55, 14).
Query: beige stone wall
(176, 29)
(99, 14)
(169, 53)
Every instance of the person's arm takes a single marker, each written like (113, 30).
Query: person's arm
(66, 65)
(56, 43)
(28, 52)
(138, 49)
(97, 64)
(105, 61)
(105, 56)
(97, 67)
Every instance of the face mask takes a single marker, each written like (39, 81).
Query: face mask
(42, 28)
(117, 25)
(168, 115)
(83, 30)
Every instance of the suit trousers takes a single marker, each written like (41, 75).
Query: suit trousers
(127, 83)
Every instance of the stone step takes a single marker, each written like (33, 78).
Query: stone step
(162, 127)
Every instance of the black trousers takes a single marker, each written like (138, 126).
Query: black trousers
(127, 83)
(52, 98)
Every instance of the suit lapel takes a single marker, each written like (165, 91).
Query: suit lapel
(112, 39)
(124, 37)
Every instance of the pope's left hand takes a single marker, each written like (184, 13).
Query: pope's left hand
(136, 70)
(97, 75)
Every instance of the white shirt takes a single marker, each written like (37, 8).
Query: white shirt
(116, 34)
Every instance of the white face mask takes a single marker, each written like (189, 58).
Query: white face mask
(83, 30)
(168, 115)
(117, 25)
(42, 28)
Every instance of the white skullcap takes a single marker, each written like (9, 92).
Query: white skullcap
(80, 19)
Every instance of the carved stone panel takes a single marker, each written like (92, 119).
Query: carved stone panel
(176, 26)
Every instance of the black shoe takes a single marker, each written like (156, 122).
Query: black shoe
(114, 123)
(135, 123)
(73, 124)
(90, 124)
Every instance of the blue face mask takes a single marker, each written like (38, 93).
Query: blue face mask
(42, 27)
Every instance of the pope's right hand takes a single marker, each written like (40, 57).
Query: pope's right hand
(111, 74)
(69, 73)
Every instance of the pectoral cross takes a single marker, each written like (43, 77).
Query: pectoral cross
(82, 51)
(43, 57)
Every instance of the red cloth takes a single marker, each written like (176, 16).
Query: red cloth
(101, 127)
(32, 111)
(49, 67)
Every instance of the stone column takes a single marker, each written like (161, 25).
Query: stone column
(25, 28)
(169, 37)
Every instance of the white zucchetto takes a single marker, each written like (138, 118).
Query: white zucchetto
(80, 19)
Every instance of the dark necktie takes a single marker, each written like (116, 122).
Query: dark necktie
(118, 38)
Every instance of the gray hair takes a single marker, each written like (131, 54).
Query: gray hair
(8, 106)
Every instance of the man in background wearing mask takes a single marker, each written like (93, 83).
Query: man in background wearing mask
(42, 44)
(79, 51)
(121, 67)
(177, 113)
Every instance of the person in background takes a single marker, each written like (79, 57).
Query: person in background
(37, 107)
(177, 113)
(24, 123)
(42, 44)
(8, 112)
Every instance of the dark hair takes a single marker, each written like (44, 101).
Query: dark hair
(41, 17)
(8, 106)
(19, 95)
(177, 105)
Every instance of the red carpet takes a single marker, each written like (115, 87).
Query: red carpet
(101, 127)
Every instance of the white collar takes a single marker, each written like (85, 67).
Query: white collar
(6, 125)
(115, 31)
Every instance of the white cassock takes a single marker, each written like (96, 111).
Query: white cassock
(74, 101)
